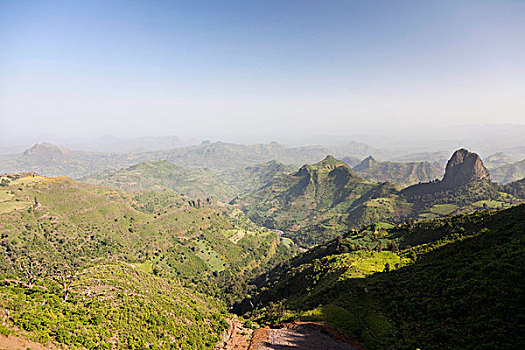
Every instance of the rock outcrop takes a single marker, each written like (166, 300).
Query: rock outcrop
(462, 168)
(366, 163)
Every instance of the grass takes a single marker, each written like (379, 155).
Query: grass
(287, 241)
(443, 209)
(6, 196)
(10, 206)
(209, 256)
(490, 204)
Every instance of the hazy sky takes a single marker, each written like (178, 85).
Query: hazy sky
(204, 68)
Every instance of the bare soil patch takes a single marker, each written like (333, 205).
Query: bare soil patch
(12, 342)
(302, 336)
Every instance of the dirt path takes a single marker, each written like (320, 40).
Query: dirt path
(236, 337)
(302, 336)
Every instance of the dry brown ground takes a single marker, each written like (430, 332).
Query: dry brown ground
(236, 337)
(302, 336)
(12, 342)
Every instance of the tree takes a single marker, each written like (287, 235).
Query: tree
(64, 273)
(32, 269)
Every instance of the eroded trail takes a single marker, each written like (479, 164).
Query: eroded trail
(236, 337)
(302, 336)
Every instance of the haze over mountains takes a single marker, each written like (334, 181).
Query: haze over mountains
(262, 175)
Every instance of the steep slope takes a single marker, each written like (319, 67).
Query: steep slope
(444, 283)
(162, 174)
(405, 174)
(509, 172)
(516, 188)
(314, 194)
(114, 306)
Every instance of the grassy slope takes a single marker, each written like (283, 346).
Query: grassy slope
(453, 283)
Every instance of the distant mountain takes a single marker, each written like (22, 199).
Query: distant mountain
(498, 159)
(352, 161)
(440, 157)
(398, 172)
(229, 156)
(52, 160)
(114, 144)
(509, 173)
(47, 150)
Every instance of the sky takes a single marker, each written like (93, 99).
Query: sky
(212, 69)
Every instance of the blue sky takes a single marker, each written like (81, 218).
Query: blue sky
(212, 68)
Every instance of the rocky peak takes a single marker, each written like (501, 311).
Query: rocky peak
(366, 163)
(47, 150)
(463, 167)
(328, 164)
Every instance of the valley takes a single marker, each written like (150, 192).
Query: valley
(262, 175)
(302, 255)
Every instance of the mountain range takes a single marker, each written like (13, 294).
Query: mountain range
(320, 200)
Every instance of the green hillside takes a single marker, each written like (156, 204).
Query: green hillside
(162, 174)
(444, 283)
(322, 200)
(253, 177)
(516, 188)
(315, 194)
(60, 227)
(114, 306)
(401, 173)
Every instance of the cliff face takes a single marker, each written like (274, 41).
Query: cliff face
(463, 167)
